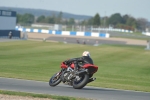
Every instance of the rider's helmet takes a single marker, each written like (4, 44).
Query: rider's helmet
(86, 53)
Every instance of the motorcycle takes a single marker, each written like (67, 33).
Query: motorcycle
(78, 78)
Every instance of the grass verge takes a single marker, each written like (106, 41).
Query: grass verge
(53, 97)
(120, 66)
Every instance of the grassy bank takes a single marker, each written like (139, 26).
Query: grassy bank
(40, 96)
(121, 67)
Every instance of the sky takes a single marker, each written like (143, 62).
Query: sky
(135, 8)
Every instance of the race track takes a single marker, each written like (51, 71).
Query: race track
(81, 39)
(88, 40)
(64, 90)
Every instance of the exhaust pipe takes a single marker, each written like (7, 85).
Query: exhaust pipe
(82, 72)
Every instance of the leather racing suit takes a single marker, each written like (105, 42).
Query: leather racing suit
(80, 61)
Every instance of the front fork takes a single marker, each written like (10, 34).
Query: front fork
(59, 73)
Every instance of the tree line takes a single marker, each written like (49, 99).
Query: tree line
(115, 20)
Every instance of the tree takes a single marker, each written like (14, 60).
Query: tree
(84, 22)
(50, 20)
(59, 18)
(71, 21)
(125, 18)
(131, 21)
(40, 19)
(90, 21)
(104, 21)
(142, 22)
(18, 18)
(27, 18)
(96, 20)
(115, 19)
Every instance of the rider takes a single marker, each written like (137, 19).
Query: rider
(85, 59)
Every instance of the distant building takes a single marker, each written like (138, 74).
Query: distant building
(7, 20)
(8, 23)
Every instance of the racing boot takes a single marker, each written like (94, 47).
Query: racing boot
(91, 79)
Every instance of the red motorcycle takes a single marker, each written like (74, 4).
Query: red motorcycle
(77, 78)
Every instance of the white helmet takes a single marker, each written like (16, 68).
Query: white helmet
(86, 53)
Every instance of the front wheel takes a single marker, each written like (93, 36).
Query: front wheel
(55, 80)
(80, 81)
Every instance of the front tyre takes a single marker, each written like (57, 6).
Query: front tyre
(80, 81)
(54, 80)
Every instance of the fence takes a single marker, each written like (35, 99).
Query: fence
(88, 28)
(69, 33)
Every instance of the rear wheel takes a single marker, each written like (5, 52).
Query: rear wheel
(80, 81)
(54, 80)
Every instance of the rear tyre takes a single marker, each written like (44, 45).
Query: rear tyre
(54, 80)
(80, 82)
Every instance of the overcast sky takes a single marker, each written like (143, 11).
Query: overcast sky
(135, 8)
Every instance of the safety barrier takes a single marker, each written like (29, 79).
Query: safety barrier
(146, 33)
(69, 33)
(112, 29)
(14, 33)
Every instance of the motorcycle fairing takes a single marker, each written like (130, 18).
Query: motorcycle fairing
(91, 68)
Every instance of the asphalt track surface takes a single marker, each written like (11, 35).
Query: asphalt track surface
(8, 40)
(93, 40)
(73, 40)
(88, 41)
(65, 90)
(81, 39)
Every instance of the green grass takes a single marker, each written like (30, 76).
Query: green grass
(121, 67)
(54, 97)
